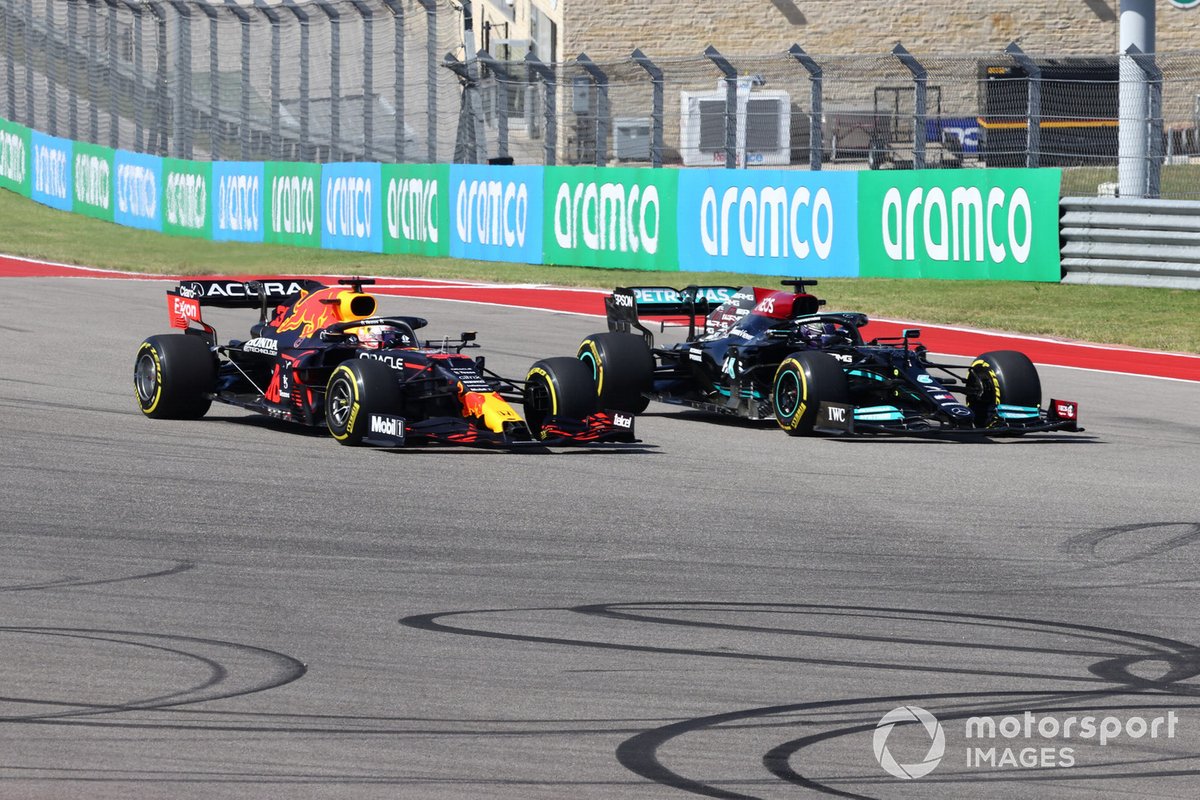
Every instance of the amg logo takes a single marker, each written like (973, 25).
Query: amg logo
(388, 426)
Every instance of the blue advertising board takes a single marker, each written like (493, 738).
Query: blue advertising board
(138, 190)
(769, 222)
(237, 201)
(496, 213)
(52, 179)
(351, 207)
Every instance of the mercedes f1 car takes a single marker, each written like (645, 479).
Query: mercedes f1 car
(763, 353)
(321, 356)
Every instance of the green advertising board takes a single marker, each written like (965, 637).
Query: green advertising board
(15, 152)
(968, 224)
(93, 179)
(293, 203)
(187, 187)
(416, 209)
(612, 217)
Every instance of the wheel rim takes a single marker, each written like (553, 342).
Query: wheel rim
(787, 394)
(145, 377)
(341, 398)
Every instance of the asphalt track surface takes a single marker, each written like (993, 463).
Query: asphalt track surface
(232, 608)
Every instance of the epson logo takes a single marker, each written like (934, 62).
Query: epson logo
(412, 206)
(604, 217)
(622, 300)
(767, 222)
(958, 230)
(492, 212)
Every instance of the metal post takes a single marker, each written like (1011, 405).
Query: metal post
(31, 117)
(276, 64)
(51, 60)
(71, 65)
(158, 136)
(1137, 31)
(502, 81)
(816, 78)
(431, 48)
(465, 151)
(335, 78)
(10, 65)
(1033, 146)
(244, 125)
(602, 117)
(214, 101)
(93, 57)
(547, 75)
(114, 120)
(920, 77)
(1154, 119)
(731, 103)
(368, 92)
(302, 18)
(397, 9)
(656, 112)
(183, 78)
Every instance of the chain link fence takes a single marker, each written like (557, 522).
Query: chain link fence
(389, 80)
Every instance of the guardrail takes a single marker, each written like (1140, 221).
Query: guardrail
(1131, 242)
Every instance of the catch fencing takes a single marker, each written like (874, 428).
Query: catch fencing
(390, 80)
(1131, 242)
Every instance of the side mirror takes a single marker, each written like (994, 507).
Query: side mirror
(469, 336)
(911, 333)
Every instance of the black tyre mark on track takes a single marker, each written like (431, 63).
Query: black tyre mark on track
(1086, 544)
(72, 581)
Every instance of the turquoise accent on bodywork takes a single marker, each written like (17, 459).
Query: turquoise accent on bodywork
(1017, 412)
(745, 392)
(863, 374)
(878, 414)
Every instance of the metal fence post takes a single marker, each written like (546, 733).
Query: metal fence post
(276, 66)
(93, 8)
(244, 123)
(158, 136)
(114, 138)
(920, 77)
(1154, 122)
(10, 64)
(431, 62)
(397, 9)
(1033, 139)
(335, 79)
(368, 32)
(213, 70)
(31, 120)
(656, 106)
(548, 76)
(602, 115)
(301, 15)
(730, 104)
(51, 61)
(502, 81)
(183, 79)
(816, 78)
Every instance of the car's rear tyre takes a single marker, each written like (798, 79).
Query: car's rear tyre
(1002, 377)
(558, 387)
(802, 382)
(358, 388)
(622, 368)
(173, 376)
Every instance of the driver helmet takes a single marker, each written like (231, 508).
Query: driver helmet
(376, 337)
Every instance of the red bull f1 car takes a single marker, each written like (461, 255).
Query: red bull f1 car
(321, 356)
(770, 354)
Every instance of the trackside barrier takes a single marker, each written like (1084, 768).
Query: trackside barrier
(1131, 242)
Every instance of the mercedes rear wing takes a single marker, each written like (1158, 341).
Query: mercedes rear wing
(625, 305)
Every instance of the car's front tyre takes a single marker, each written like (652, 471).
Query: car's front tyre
(802, 382)
(356, 389)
